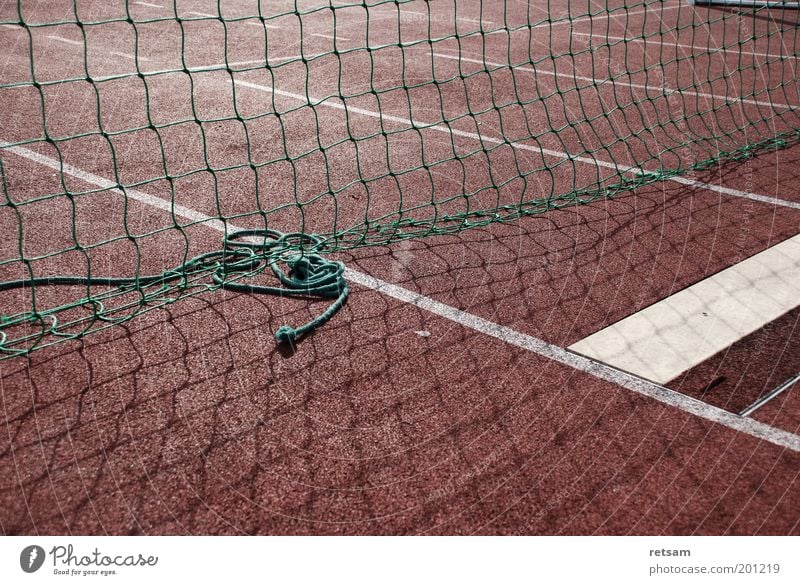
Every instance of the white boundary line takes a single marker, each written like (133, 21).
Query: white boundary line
(598, 370)
(250, 22)
(688, 327)
(599, 82)
(80, 44)
(129, 56)
(507, 335)
(262, 24)
(736, 193)
(86, 177)
(544, 151)
(476, 21)
(277, 61)
(327, 36)
(64, 40)
(616, 14)
(646, 41)
(327, 103)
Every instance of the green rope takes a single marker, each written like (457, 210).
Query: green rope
(309, 274)
(415, 120)
(245, 254)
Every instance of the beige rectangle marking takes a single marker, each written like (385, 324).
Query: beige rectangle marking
(665, 339)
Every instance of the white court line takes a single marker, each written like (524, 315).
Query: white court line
(675, 334)
(324, 36)
(615, 14)
(203, 14)
(253, 62)
(436, 127)
(617, 81)
(63, 40)
(476, 21)
(545, 151)
(435, 16)
(80, 44)
(86, 177)
(10, 26)
(565, 20)
(149, 5)
(262, 24)
(275, 60)
(710, 49)
(118, 54)
(598, 370)
(736, 193)
(215, 67)
(529, 343)
(488, 139)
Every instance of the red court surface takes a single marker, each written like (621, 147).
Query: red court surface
(439, 400)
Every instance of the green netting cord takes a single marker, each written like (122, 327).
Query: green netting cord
(419, 123)
(309, 275)
(245, 253)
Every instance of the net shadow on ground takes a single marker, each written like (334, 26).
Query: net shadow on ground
(739, 375)
(188, 419)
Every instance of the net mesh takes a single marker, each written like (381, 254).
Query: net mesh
(150, 151)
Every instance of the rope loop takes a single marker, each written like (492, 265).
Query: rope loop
(244, 254)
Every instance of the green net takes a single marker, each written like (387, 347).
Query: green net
(151, 151)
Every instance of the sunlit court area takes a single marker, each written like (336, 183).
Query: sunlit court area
(399, 267)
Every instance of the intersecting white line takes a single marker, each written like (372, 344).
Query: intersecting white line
(615, 81)
(510, 336)
(666, 41)
(80, 44)
(64, 40)
(445, 128)
(540, 347)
